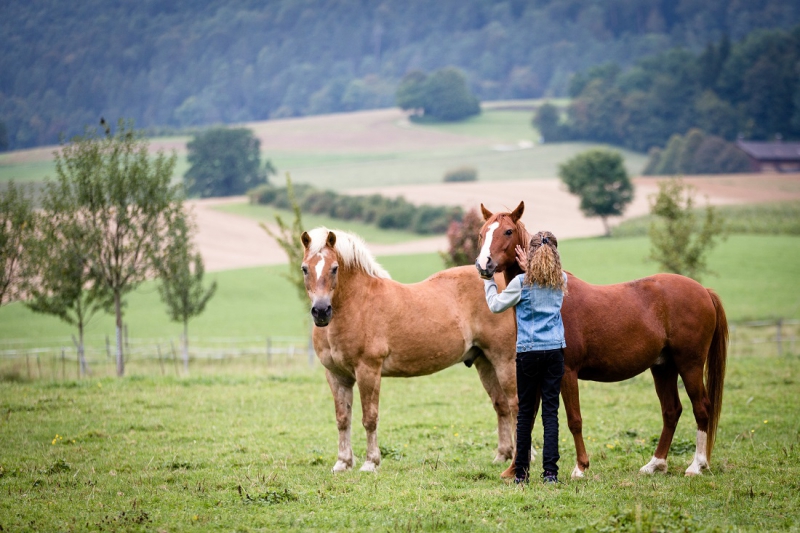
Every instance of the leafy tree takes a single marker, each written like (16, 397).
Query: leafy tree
(59, 277)
(461, 174)
(548, 121)
(225, 162)
(3, 136)
(679, 243)
(462, 237)
(125, 196)
(16, 224)
(181, 274)
(600, 179)
(289, 239)
(448, 97)
(443, 95)
(696, 153)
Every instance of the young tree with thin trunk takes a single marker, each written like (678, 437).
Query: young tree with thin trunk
(679, 241)
(16, 227)
(599, 178)
(181, 273)
(128, 198)
(59, 280)
(289, 239)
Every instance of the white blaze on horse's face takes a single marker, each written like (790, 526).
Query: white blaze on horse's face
(320, 273)
(486, 250)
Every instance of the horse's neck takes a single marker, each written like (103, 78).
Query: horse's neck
(353, 285)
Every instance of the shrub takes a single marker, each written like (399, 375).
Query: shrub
(461, 174)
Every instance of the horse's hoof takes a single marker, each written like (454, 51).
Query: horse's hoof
(577, 473)
(501, 458)
(341, 466)
(369, 466)
(655, 465)
(695, 469)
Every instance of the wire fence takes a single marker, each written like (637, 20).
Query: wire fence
(57, 359)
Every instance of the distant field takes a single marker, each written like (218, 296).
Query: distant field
(374, 148)
(757, 279)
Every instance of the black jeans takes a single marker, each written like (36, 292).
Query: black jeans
(538, 372)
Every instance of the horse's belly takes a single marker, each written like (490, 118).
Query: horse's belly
(420, 363)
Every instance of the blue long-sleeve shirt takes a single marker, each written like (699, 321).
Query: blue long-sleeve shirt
(539, 324)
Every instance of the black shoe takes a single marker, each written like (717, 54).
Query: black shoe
(520, 480)
(549, 477)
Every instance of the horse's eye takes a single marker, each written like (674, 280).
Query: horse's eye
(509, 232)
(304, 268)
(334, 269)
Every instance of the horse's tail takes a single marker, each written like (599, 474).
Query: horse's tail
(715, 370)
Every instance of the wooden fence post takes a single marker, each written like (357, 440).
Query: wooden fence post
(63, 366)
(269, 351)
(160, 360)
(28, 363)
(778, 337)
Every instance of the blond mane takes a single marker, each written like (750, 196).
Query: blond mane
(350, 248)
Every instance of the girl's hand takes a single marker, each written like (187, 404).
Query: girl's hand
(522, 257)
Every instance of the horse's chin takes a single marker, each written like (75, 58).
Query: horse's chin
(484, 274)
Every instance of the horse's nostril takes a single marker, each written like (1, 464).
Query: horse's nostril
(329, 310)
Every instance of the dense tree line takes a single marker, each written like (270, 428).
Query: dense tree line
(386, 213)
(696, 153)
(62, 65)
(749, 89)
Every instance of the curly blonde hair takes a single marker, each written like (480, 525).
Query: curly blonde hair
(544, 262)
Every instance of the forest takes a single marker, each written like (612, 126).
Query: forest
(748, 89)
(181, 64)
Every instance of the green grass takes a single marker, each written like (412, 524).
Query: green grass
(370, 232)
(779, 218)
(500, 125)
(253, 452)
(757, 279)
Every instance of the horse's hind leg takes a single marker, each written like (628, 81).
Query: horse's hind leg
(342, 389)
(503, 407)
(693, 382)
(369, 387)
(666, 380)
(572, 406)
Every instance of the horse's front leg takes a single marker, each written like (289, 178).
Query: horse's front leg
(342, 389)
(572, 405)
(505, 405)
(369, 387)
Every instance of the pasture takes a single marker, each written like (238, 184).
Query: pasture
(371, 148)
(252, 452)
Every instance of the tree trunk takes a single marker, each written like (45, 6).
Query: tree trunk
(118, 312)
(81, 354)
(605, 225)
(186, 347)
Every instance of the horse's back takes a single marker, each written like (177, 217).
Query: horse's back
(620, 330)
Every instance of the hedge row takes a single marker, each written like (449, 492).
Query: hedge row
(386, 213)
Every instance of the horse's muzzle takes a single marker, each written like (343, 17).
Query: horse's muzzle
(488, 272)
(321, 312)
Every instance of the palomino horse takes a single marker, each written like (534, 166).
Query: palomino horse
(668, 323)
(369, 326)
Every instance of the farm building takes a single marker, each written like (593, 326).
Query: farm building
(772, 156)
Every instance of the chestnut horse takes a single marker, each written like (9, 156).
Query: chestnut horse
(668, 323)
(369, 326)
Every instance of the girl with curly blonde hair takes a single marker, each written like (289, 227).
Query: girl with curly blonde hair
(537, 296)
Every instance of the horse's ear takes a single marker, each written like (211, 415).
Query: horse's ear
(306, 239)
(331, 240)
(516, 214)
(486, 213)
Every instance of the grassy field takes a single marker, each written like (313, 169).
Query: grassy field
(259, 301)
(253, 452)
(390, 163)
(780, 218)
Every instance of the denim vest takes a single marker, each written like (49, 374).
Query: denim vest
(539, 324)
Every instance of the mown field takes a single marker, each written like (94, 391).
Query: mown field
(252, 452)
(323, 162)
